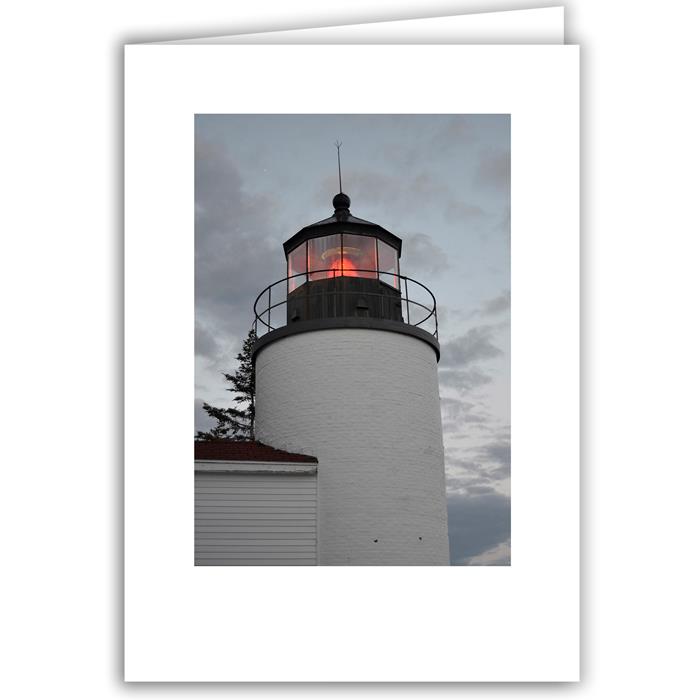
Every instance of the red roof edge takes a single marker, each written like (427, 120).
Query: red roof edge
(245, 451)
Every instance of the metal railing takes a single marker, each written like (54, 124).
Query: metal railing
(426, 312)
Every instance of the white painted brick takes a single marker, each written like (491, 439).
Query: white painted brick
(366, 403)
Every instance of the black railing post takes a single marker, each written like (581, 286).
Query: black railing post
(408, 303)
(269, 304)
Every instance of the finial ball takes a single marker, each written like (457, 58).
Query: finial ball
(341, 201)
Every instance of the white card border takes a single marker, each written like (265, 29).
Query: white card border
(517, 623)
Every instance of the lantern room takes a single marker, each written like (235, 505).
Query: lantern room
(342, 255)
(343, 266)
(344, 272)
(342, 246)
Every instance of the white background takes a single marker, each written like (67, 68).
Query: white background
(389, 623)
(60, 280)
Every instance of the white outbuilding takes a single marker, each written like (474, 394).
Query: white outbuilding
(254, 505)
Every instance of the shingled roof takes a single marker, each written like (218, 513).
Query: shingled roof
(245, 451)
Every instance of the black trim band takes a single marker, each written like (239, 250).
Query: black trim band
(330, 323)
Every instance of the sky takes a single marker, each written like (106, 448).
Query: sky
(439, 182)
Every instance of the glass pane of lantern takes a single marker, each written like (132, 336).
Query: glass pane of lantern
(324, 257)
(359, 256)
(296, 264)
(388, 262)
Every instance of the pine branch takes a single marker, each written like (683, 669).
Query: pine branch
(234, 423)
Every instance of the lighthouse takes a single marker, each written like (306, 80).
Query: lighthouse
(346, 371)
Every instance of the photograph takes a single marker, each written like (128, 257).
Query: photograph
(352, 340)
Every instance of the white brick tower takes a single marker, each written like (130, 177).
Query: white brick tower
(350, 377)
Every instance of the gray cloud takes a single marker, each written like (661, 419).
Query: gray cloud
(493, 170)
(450, 317)
(235, 244)
(496, 556)
(484, 464)
(205, 344)
(499, 453)
(451, 129)
(470, 474)
(497, 305)
(201, 420)
(479, 490)
(455, 130)
(457, 413)
(463, 381)
(476, 344)
(421, 254)
(504, 224)
(458, 210)
(477, 524)
(469, 482)
(371, 188)
(401, 155)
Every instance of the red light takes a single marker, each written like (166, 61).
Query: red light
(328, 260)
(344, 266)
(340, 263)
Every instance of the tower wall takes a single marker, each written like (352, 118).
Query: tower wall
(366, 403)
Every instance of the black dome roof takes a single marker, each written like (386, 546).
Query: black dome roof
(342, 221)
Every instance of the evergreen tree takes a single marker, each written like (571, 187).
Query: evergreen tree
(236, 423)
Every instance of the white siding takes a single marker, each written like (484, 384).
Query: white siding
(255, 519)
